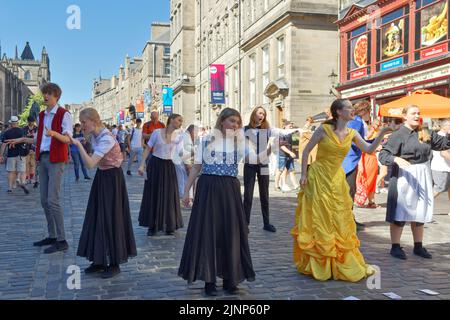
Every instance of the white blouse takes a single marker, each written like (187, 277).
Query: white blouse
(163, 150)
(103, 143)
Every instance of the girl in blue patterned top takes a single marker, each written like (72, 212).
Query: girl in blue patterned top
(216, 242)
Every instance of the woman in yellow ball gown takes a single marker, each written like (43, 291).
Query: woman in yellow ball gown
(325, 242)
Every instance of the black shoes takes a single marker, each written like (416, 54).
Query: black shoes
(170, 233)
(398, 253)
(422, 252)
(230, 288)
(25, 190)
(36, 185)
(270, 228)
(150, 233)
(94, 269)
(57, 247)
(129, 172)
(360, 226)
(87, 178)
(210, 289)
(110, 272)
(45, 242)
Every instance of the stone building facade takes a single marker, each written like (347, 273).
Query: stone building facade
(277, 54)
(26, 68)
(141, 76)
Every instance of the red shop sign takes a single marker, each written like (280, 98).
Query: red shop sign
(358, 74)
(435, 51)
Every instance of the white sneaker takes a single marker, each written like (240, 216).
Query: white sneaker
(285, 189)
(384, 190)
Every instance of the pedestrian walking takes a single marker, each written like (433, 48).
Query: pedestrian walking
(135, 145)
(440, 165)
(16, 156)
(30, 131)
(76, 155)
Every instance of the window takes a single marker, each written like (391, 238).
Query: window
(392, 40)
(358, 53)
(27, 76)
(265, 71)
(166, 68)
(266, 5)
(167, 51)
(431, 29)
(281, 57)
(252, 81)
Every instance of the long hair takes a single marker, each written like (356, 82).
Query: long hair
(337, 104)
(173, 116)
(91, 114)
(362, 107)
(254, 123)
(424, 135)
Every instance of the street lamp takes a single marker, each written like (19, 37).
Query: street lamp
(333, 79)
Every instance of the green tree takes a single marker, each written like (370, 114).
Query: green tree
(39, 99)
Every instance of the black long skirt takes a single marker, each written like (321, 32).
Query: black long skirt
(107, 237)
(216, 242)
(160, 206)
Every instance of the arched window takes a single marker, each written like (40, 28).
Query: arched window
(27, 75)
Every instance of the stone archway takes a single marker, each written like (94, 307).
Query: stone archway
(277, 91)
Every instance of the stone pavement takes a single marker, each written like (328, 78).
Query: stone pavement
(26, 273)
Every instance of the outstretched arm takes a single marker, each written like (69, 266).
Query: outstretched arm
(370, 147)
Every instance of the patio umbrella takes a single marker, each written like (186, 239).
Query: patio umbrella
(431, 105)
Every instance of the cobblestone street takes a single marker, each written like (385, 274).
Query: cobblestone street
(26, 273)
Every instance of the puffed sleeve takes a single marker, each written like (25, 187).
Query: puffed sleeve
(391, 149)
(104, 145)
(439, 143)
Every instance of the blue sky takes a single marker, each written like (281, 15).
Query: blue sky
(109, 31)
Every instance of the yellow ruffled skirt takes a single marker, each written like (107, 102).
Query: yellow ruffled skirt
(325, 242)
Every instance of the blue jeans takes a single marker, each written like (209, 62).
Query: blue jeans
(77, 161)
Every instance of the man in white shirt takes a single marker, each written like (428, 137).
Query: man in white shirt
(135, 145)
(52, 152)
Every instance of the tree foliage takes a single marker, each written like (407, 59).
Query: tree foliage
(39, 99)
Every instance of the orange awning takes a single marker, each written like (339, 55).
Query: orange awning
(431, 105)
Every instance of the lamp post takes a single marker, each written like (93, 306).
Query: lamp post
(333, 79)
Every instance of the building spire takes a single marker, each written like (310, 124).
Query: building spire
(27, 54)
(16, 57)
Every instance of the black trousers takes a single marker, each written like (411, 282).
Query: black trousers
(250, 174)
(351, 180)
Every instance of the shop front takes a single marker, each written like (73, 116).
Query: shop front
(392, 48)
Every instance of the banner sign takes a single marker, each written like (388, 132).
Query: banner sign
(392, 64)
(217, 74)
(147, 97)
(140, 109)
(167, 96)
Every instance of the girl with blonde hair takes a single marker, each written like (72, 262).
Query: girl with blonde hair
(107, 238)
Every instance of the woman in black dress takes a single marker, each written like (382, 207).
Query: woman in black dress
(160, 207)
(107, 238)
(216, 242)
